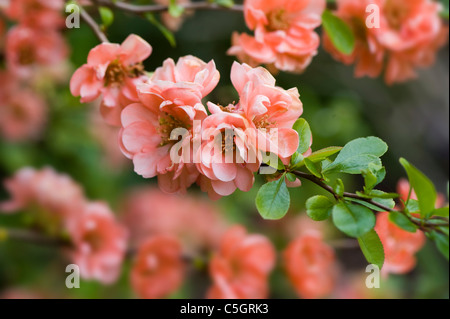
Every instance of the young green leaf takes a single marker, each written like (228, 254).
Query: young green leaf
(175, 10)
(364, 203)
(273, 200)
(322, 154)
(357, 155)
(373, 176)
(225, 3)
(381, 198)
(353, 220)
(423, 187)
(313, 168)
(107, 16)
(372, 248)
(319, 207)
(443, 212)
(304, 135)
(402, 221)
(442, 244)
(339, 32)
(339, 187)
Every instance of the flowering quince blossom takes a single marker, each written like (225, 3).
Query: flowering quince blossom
(55, 197)
(284, 33)
(170, 103)
(410, 34)
(114, 71)
(158, 269)
(99, 242)
(28, 47)
(241, 267)
(310, 266)
(172, 23)
(36, 13)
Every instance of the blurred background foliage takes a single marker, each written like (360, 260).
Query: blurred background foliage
(413, 118)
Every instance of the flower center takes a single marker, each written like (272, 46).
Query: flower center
(168, 123)
(26, 55)
(395, 14)
(228, 144)
(116, 73)
(94, 240)
(277, 20)
(262, 122)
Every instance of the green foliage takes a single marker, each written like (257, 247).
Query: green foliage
(339, 32)
(314, 168)
(402, 221)
(353, 220)
(304, 135)
(319, 207)
(372, 248)
(225, 3)
(175, 10)
(166, 32)
(107, 16)
(273, 200)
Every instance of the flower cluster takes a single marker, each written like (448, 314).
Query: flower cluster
(97, 241)
(284, 33)
(166, 129)
(404, 36)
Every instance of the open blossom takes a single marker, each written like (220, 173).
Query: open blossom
(241, 267)
(408, 37)
(99, 243)
(27, 48)
(284, 33)
(228, 156)
(36, 13)
(153, 130)
(158, 269)
(55, 199)
(310, 266)
(22, 114)
(272, 110)
(114, 71)
(148, 211)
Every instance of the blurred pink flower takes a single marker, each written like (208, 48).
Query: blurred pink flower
(28, 47)
(114, 71)
(53, 200)
(172, 23)
(100, 243)
(271, 109)
(196, 222)
(241, 267)
(410, 34)
(228, 156)
(284, 33)
(37, 13)
(311, 266)
(158, 269)
(23, 113)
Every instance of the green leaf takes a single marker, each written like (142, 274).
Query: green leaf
(443, 212)
(442, 244)
(353, 220)
(322, 154)
(373, 176)
(166, 33)
(267, 158)
(445, 11)
(319, 207)
(339, 32)
(372, 248)
(313, 168)
(296, 161)
(423, 187)
(304, 135)
(413, 206)
(357, 155)
(291, 177)
(364, 203)
(225, 3)
(379, 197)
(175, 10)
(339, 187)
(402, 221)
(107, 16)
(273, 200)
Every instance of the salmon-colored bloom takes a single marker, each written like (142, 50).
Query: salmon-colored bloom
(158, 269)
(227, 157)
(284, 33)
(36, 13)
(99, 242)
(241, 267)
(400, 246)
(55, 199)
(310, 266)
(272, 110)
(114, 71)
(408, 36)
(28, 47)
(171, 22)
(22, 113)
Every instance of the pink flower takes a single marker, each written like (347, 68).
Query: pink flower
(22, 113)
(310, 266)
(27, 48)
(409, 35)
(99, 242)
(284, 33)
(114, 71)
(172, 23)
(227, 157)
(55, 199)
(272, 110)
(158, 269)
(196, 222)
(241, 267)
(37, 13)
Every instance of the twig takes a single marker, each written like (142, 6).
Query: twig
(31, 237)
(93, 25)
